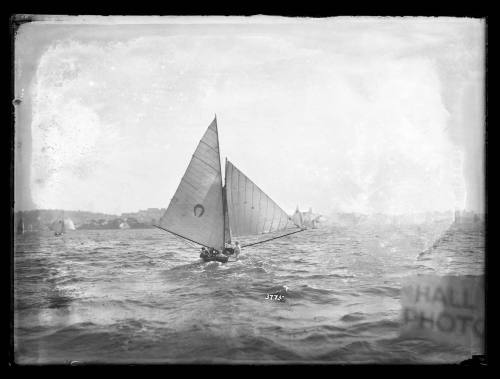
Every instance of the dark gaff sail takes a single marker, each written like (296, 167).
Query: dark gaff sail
(250, 210)
(196, 211)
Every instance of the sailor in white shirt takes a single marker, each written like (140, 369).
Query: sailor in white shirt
(237, 249)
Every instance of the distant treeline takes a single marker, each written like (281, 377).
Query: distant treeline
(41, 219)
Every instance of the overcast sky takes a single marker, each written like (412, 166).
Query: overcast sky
(340, 114)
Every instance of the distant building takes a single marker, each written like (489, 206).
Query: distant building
(468, 218)
(148, 216)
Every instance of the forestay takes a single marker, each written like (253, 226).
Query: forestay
(196, 210)
(250, 210)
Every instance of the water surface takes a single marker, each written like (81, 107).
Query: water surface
(144, 296)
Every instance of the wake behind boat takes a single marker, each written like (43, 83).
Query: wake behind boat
(209, 213)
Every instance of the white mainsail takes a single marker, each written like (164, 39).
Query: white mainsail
(308, 217)
(57, 226)
(196, 211)
(250, 210)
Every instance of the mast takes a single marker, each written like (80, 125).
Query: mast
(227, 228)
(223, 197)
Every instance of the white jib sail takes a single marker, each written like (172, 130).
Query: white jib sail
(251, 211)
(196, 210)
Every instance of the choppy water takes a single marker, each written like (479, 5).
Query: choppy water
(143, 296)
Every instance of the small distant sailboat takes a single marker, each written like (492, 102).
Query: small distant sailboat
(124, 225)
(297, 217)
(58, 227)
(306, 219)
(20, 226)
(209, 213)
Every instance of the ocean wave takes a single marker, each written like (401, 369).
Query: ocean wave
(356, 316)
(374, 326)
(383, 291)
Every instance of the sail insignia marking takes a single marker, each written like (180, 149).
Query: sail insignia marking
(201, 208)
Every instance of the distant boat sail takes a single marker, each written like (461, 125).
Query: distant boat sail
(210, 214)
(58, 226)
(297, 217)
(306, 219)
(20, 227)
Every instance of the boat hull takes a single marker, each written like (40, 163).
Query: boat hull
(219, 258)
(214, 257)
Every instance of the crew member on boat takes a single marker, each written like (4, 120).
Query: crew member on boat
(203, 252)
(237, 249)
(228, 249)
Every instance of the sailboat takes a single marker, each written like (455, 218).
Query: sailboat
(58, 227)
(297, 217)
(210, 213)
(306, 219)
(20, 226)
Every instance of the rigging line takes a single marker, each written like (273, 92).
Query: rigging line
(256, 243)
(178, 235)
